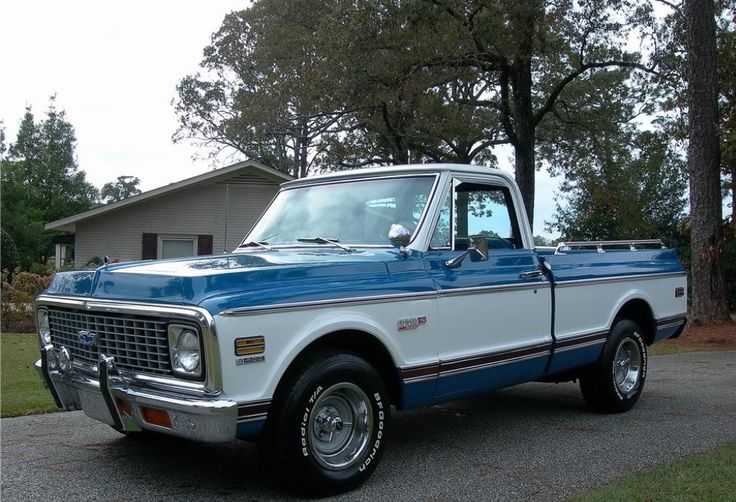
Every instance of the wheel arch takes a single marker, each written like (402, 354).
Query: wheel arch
(640, 312)
(354, 341)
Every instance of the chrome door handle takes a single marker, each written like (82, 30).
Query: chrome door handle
(531, 274)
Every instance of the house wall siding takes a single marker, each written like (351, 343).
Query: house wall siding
(199, 210)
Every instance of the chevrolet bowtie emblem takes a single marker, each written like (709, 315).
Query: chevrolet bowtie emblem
(87, 337)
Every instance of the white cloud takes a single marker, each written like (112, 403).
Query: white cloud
(114, 66)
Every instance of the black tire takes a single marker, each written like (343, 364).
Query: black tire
(302, 442)
(611, 387)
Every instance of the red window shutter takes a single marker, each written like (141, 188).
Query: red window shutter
(204, 244)
(150, 247)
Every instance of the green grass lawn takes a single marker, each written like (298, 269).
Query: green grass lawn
(21, 390)
(705, 476)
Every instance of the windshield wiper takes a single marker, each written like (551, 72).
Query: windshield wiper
(322, 240)
(262, 244)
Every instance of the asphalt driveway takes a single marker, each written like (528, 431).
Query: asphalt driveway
(530, 442)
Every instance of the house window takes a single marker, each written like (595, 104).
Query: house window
(176, 246)
(157, 246)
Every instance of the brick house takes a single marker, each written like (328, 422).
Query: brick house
(206, 214)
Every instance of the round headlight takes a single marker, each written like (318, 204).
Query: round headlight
(187, 350)
(44, 330)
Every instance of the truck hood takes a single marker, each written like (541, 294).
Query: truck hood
(253, 278)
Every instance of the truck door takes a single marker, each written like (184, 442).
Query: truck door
(494, 314)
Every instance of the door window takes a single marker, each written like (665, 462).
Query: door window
(477, 209)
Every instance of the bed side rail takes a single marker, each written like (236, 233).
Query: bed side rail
(600, 246)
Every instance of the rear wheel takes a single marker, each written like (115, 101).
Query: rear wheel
(325, 432)
(615, 383)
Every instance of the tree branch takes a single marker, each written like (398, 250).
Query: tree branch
(582, 69)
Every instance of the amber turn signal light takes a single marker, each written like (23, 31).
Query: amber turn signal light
(156, 416)
(249, 346)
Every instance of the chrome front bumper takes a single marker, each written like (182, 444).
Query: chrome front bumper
(117, 401)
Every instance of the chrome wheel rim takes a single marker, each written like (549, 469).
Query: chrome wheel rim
(627, 366)
(340, 426)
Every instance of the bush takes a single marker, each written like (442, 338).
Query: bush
(41, 269)
(10, 259)
(18, 294)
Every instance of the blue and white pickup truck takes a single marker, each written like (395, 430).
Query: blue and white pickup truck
(355, 294)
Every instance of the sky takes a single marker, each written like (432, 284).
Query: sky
(114, 67)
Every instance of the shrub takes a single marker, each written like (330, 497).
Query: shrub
(17, 300)
(10, 259)
(41, 269)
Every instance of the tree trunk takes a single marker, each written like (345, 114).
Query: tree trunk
(523, 116)
(733, 199)
(708, 289)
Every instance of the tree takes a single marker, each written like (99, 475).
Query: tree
(265, 92)
(124, 187)
(530, 52)
(632, 187)
(41, 182)
(342, 83)
(290, 84)
(2, 140)
(708, 289)
(10, 259)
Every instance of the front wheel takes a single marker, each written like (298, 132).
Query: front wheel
(325, 432)
(615, 383)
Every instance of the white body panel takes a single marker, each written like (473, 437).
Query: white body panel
(591, 306)
(495, 321)
(287, 333)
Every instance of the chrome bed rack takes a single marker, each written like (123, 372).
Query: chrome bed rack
(633, 245)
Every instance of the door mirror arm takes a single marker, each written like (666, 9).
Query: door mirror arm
(478, 247)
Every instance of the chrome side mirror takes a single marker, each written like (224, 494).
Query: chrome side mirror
(400, 237)
(478, 247)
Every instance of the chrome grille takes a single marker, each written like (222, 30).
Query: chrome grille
(137, 343)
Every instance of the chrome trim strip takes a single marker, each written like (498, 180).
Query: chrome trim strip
(582, 345)
(42, 365)
(419, 379)
(619, 278)
(481, 366)
(253, 418)
(581, 338)
(448, 367)
(361, 300)
(302, 183)
(257, 410)
(479, 290)
(672, 319)
(107, 368)
(670, 325)
(212, 384)
(420, 373)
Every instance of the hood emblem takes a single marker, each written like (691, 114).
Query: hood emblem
(87, 337)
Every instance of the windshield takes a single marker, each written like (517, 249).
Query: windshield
(354, 212)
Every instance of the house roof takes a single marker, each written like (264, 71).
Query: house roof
(248, 171)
